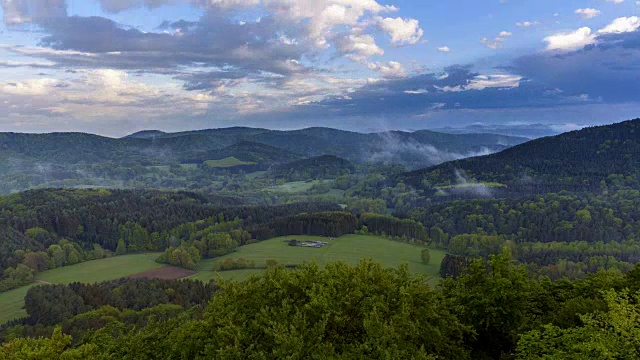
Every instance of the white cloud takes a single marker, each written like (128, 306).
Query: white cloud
(402, 31)
(102, 93)
(358, 47)
(482, 82)
(389, 69)
(621, 25)
(526, 24)
(497, 42)
(492, 44)
(569, 41)
(444, 49)
(416, 92)
(615, 1)
(588, 13)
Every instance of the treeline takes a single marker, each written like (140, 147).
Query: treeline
(57, 255)
(557, 235)
(333, 224)
(494, 310)
(321, 167)
(44, 229)
(52, 304)
(386, 225)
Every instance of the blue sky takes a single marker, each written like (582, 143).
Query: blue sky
(117, 66)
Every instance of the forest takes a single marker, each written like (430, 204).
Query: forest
(495, 310)
(537, 252)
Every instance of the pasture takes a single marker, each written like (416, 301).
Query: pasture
(227, 162)
(102, 270)
(295, 187)
(349, 248)
(12, 302)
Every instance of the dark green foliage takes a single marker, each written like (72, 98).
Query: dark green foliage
(592, 159)
(393, 226)
(613, 333)
(45, 229)
(75, 159)
(454, 266)
(425, 255)
(321, 167)
(332, 224)
(494, 311)
(498, 300)
(558, 235)
(233, 264)
(52, 304)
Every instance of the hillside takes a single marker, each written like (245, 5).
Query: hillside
(158, 147)
(590, 159)
(320, 167)
(176, 160)
(146, 134)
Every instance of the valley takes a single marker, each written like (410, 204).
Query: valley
(204, 231)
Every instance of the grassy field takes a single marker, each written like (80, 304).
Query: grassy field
(230, 161)
(350, 248)
(296, 186)
(11, 302)
(102, 270)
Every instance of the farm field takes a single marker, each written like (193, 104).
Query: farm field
(350, 248)
(102, 270)
(11, 302)
(296, 186)
(226, 162)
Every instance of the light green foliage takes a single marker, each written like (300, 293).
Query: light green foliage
(612, 334)
(497, 301)
(363, 311)
(349, 248)
(121, 249)
(53, 348)
(11, 302)
(16, 277)
(583, 215)
(227, 162)
(296, 186)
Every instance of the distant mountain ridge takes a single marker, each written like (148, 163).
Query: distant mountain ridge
(414, 149)
(593, 158)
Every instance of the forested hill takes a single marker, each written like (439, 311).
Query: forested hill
(319, 167)
(155, 147)
(590, 159)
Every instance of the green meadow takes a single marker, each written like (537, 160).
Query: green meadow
(349, 248)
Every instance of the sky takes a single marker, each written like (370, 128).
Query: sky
(113, 67)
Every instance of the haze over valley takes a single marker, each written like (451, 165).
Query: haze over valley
(319, 179)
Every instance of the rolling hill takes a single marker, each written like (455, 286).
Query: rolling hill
(153, 158)
(590, 159)
(319, 167)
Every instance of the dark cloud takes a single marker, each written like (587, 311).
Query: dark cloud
(262, 50)
(24, 11)
(609, 70)
(459, 88)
